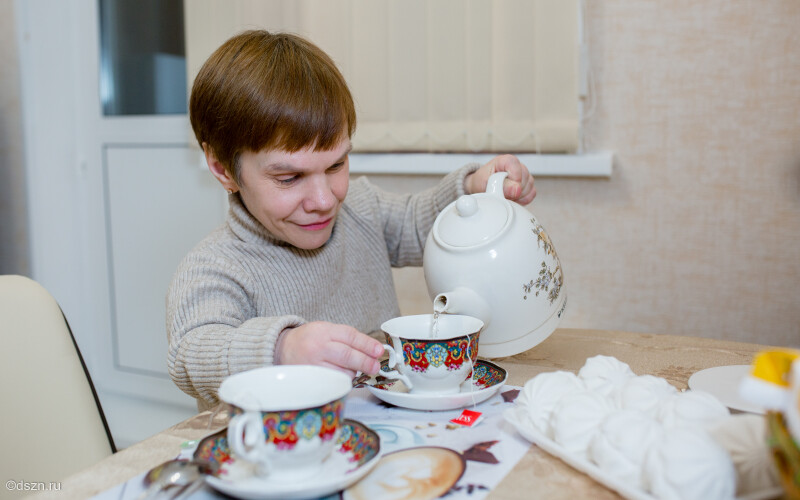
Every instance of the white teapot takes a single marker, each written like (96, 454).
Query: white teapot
(490, 258)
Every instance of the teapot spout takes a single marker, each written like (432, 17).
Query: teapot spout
(465, 301)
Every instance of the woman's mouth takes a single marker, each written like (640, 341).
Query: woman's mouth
(316, 226)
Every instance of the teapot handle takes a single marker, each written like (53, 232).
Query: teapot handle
(495, 183)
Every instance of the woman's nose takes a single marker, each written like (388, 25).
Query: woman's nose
(321, 197)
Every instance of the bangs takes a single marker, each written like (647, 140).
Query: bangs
(314, 113)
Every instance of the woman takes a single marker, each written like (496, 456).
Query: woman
(301, 270)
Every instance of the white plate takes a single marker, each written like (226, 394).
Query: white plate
(512, 416)
(396, 393)
(723, 382)
(338, 472)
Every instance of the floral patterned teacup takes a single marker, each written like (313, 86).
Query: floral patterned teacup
(285, 420)
(432, 354)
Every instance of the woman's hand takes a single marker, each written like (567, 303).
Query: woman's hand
(518, 186)
(327, 344)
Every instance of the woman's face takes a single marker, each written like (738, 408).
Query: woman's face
(296, 196)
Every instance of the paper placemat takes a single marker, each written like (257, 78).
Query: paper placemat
(490, 449)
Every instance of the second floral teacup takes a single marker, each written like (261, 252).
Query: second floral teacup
(286, 419)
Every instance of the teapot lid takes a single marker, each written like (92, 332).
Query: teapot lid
(472, 220)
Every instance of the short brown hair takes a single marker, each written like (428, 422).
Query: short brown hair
(269, 90)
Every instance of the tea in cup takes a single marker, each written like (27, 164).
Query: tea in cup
(432, 354)
(286, 419)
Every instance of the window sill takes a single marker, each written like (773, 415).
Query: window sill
(595, 165)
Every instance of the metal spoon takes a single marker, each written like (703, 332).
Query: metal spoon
(175, 473)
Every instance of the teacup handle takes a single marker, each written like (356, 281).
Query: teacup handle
(246, 439)
(393, 363)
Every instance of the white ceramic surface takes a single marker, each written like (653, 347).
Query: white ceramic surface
(723, 382)
(313, 389)
(435, 377)
(284, 387)
(337, 473)
(490, 258)
(469, 394)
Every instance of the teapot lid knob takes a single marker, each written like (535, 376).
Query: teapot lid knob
(473, 219)
(466, 205)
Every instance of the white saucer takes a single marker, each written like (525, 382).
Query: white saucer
(235, 477)
(723, 382)
(490, 378)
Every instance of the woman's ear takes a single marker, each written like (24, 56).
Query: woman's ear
(218, 170)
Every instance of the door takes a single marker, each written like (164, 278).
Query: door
(117, 191)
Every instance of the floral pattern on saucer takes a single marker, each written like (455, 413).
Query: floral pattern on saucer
(484, 375)
(358, 451)
(486, 380)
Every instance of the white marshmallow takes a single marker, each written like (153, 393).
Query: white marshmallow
(693, 408)
(644, 393)
(605, 374)
(576, 419)
(620, 446)
(540, 395)
(687, 464)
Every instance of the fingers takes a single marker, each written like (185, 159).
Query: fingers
(349, 373)
(357, 340)
(350, 359)
(355, 351)
(521, 192)
(518, 185)
(328, 344)
(510, 164)
(512, 190)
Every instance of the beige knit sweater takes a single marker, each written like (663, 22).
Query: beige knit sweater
(240, 287)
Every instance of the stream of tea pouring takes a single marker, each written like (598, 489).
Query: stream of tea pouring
(438, 308)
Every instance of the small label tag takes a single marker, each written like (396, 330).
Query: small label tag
(468, 418)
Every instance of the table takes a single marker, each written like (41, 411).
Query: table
(674, 358)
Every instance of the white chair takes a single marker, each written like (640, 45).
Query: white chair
(52, 424)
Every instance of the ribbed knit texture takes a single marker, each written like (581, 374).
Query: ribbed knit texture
(240, 287)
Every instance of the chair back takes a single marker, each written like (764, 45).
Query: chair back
(53, 424)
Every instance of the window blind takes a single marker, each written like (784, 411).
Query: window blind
(430, 75)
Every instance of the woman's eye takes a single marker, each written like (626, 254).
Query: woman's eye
(287, 180)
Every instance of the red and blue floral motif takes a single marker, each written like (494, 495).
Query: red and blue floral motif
(285, 428)
(487, 375)
(214, 449)
(359, 440)
(451, 353)
(331, 416)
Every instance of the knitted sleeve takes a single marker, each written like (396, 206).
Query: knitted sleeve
(211, 328)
